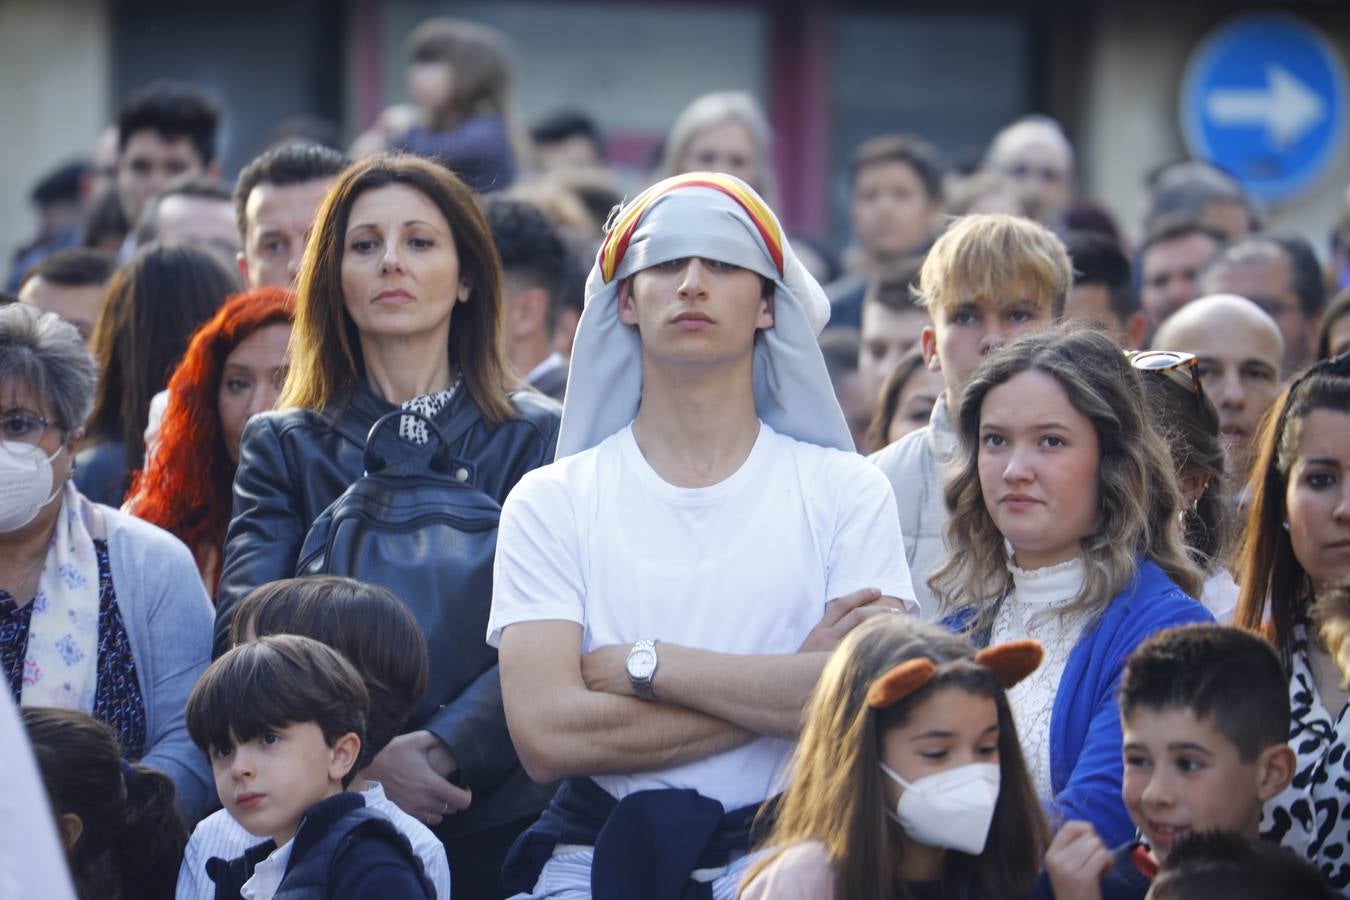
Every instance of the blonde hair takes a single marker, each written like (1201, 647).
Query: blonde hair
(991, 254)
(836, 790)
(714, 109)
(1138, 497)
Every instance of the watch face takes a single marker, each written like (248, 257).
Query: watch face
(641, 663)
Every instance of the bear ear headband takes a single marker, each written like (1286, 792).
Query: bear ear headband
(1010, 663)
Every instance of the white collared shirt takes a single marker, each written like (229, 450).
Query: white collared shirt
(268, 874)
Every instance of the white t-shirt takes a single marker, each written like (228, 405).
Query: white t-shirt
(220, 835)
(743, 566)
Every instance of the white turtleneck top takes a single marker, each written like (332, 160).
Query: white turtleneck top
(1035, 610)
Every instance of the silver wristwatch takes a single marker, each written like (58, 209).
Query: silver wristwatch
(641, 668)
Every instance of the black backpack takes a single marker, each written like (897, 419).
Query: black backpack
(413, 524)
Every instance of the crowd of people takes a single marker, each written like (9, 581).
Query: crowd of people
(429, 517)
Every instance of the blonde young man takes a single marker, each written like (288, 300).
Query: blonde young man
(988, 279)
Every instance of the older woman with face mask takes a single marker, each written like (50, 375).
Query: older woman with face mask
(99, 611)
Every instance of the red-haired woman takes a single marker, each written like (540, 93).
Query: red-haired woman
(233, 369)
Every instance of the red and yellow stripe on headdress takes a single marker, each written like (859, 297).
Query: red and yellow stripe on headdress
(616, 242)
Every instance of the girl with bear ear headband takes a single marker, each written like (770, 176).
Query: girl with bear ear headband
(908, 780)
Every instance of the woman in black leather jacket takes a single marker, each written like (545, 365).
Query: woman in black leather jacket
(399, 304)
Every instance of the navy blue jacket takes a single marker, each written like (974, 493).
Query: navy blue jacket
(645, 844)
(341, 850)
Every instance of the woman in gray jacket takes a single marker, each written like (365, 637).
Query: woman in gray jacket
(99, 611)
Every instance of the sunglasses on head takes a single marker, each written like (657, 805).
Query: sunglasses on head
(1182, 368)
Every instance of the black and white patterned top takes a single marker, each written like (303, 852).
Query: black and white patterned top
(411, 428)
(1311, 815)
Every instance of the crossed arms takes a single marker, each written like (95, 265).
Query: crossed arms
(572, 714)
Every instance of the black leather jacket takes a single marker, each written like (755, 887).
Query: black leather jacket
(294, 463)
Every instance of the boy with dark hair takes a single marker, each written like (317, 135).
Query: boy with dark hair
(535, 270)
(283, 720)
(1103, 288)
(1205, 714)
(378, 635)
(1227, 865)
(567, 139)
(164, 130)
(895, 186)
(275, 199)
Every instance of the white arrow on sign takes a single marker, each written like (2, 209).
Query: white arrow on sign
(1287, 107)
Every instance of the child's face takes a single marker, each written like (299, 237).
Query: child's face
(953, 727)
(1182, 774)
(268, 783)
(965, 330)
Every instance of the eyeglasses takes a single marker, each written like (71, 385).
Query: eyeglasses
(1182, 368)
(22, 433)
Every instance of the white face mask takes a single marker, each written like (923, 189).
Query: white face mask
(951, 809)
(25, 484)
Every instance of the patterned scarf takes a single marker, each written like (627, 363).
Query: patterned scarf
(411, 428)
(61, 666)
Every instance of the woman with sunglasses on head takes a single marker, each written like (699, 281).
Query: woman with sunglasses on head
(1295, 551)
(1064, 528)
(1188, 421)
(99, 611)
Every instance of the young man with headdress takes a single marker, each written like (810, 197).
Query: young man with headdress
(663, 593)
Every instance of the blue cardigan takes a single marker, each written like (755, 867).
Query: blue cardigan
(1086, 766)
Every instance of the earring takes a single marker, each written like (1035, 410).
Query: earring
(1286, 526)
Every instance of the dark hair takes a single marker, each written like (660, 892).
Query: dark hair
(366, 623)
(172, 109)
(530, 249)
(273, 682)
(150, 309)
(918, 155)
(1208, 864)
(1166, 231)
(563, 124)
(481, 57)
(1337, 310)
(132, 839)
(1225, 676)
(896, 287)
(1184, 190)
(1190, 424)
(325, 346)
(1099, 260)
(73, 268)
(62, 184)
(1266, 567)
(287, 164)
(199, 186)
(1089, 217)
(104, 220)
(1305, 273)
(888, 400)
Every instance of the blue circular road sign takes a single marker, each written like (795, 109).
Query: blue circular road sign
(1265, 97)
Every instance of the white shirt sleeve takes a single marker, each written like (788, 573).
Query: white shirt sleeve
(537, 574)
(867, 550)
